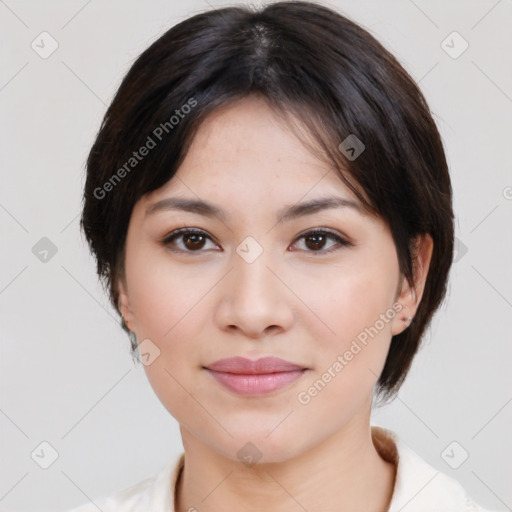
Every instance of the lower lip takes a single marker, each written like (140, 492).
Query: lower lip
(244, 384)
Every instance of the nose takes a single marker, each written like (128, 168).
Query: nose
(255, 300)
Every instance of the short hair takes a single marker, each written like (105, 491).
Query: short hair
(310, 63)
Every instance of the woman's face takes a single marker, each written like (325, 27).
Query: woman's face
(254, 285)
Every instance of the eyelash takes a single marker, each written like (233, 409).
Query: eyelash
(183, 231)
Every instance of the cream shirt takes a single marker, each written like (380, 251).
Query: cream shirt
(419, 487)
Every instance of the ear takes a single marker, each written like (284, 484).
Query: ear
(409, 297)
(124, 305)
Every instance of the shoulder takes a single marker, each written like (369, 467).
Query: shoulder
(155, 493)
(419, 487)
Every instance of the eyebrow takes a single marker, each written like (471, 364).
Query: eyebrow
(285, 214)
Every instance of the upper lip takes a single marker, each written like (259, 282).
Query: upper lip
(241, 365)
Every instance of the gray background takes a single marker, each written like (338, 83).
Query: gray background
(66, 376)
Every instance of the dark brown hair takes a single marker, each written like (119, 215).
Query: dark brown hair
(309, 63)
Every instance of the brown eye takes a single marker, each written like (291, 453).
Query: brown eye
(315, 241)
(191, 240)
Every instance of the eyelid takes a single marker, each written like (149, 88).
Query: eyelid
(327, 231)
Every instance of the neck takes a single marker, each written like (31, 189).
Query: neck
(343, 473)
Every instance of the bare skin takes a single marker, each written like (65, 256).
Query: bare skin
(200, 303)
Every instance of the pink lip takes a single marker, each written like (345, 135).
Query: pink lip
(247, 377)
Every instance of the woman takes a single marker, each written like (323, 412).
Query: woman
(269, 204)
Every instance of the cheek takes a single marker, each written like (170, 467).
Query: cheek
(347, 301)
(354, 305)
(166, 297)
(170, 313)
(349, 361)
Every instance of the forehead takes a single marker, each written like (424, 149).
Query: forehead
(246, 149)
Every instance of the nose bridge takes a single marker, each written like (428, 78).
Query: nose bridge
(256, 298)
(251, 269)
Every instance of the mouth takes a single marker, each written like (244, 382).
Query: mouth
(246, 377)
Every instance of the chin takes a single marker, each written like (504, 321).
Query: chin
(260, 446)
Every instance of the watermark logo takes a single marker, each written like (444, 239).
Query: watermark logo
(460, 249)
(455, 455)
(44, 250)
(44, 45)
(44, 455)
(249, 249)
(249, 454)
(147, 352)
(454, 45)
(352, 147)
